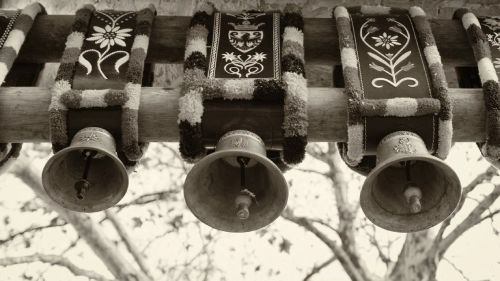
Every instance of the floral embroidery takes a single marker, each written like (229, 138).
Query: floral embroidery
(492, 22)
(387, 41)
(105, 38)
(236, 63)
(389, 61)
(246, 16)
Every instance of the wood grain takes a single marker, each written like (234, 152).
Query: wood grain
(45, 41)
(24, 115)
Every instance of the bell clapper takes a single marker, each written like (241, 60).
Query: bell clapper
(413, 196)
(243, 202)
(245, 199)
(83, 185)
(412, 193)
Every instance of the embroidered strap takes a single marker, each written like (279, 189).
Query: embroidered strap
(482, 34)
(240, 69)
(376, 62)
(105, 50)
(245, 46)
(11, 40)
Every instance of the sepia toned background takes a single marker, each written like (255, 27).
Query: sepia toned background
(322, 235)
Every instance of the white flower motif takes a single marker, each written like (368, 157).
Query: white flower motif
(259, 56)
(108, 36)
(229, 56)
(386, 41)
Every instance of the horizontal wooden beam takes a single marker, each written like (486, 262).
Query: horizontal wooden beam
(45, 41)
(24, 115)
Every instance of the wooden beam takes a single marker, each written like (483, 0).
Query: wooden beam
(24, 115)
(45, 42)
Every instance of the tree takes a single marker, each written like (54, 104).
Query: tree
(421, 252)
(341, 230)
(151, 235)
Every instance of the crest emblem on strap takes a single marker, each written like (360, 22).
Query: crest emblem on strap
(245, 36)
(245, 41)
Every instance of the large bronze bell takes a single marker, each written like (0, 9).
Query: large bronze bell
(87, 176)
(236, 188)
(409, 190)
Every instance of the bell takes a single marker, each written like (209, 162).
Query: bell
(87, 176)
(236, 188)
(409, 190)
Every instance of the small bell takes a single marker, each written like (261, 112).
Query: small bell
(87, 176)
(223, 200)
(409, 189)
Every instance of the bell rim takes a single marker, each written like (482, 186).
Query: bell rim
(230, 152)
(365, 196)
(87, 209)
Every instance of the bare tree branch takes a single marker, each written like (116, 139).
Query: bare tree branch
(127, 240)
(489, 216)
(148, 198)
(177, 155)
(54, 260)
(470, 221)
(89, 230)
(347, 212)
(31, 229)
(325, 224)
(73, 244)
(414, 262)
(385, 259)
(316, 269)
(203, 250)
(152, 240)
(456, 268)
(486, 176)
(344, 259)
(311, 171)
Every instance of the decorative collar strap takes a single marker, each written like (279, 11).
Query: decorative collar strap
(488, 75)
(290, 86)
(112, 47)
(11, 40)
(438, 100)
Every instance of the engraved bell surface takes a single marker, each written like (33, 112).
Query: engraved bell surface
(236, 188)
(87, 176)
(409, 189)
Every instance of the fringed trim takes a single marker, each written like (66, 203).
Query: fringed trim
(292, 88)
(489, 80)
(64, 98)
(358, 108)
(14, 36)
(293, 68)
(13, 43)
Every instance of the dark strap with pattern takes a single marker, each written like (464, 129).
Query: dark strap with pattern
(395, 81)
(101, 75)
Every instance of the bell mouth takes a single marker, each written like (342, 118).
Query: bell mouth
(213, 184)
(383, 198)
(107, 176)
